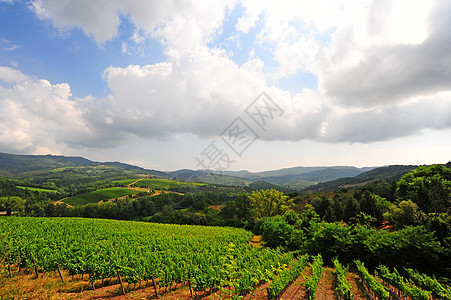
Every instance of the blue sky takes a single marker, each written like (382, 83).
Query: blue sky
(155, 83)
(70, 56)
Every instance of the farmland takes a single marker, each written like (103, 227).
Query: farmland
(99, 195)
(110, 258)
(37, 189)
(164, 184)
(207, 256)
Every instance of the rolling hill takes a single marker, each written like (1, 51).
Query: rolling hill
(61, 171)
(388, 173)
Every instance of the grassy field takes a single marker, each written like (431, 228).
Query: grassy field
(99, 195)
(36, 189)
(164, 184)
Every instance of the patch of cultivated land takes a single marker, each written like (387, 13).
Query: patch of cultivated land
(99, 195)
(34, 189)
(96, 250)
(157, 183)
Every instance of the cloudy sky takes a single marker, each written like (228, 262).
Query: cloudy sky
(229, 84)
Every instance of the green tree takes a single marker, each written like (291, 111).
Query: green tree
(267, 203)
(404, 214)
(12, 204)
(427, 186)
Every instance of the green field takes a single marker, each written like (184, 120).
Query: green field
(99, 195)
(163, 184)
(36, 189)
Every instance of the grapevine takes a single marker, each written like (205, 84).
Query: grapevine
(210, 257)
(398, 281)
(311, 282)
(371, 282)
(430, 284)
(287, 276)
(344, 287)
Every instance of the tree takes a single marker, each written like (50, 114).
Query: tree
(427, 186)
(276, 231)
(12, 204)
(267, 203)
(405, 213)
(324, 207)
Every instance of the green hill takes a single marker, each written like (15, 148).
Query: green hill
(389, 173)
(49, 171)
(223, 180)
(16, 164)
(300, 184)
(263, 185)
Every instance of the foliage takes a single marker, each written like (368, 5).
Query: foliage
(410, 247)
(428, 186)
(12, 204)
(267, 203)
(276, 231)
(404, 214)
(440, 224)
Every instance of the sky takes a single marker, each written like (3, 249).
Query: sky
(227, 84)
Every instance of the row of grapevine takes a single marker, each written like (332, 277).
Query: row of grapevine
(430, 284)
(311, 282)
(396, 280)
(344, 287)
(210, 257)
(287, 276)
(372, 283)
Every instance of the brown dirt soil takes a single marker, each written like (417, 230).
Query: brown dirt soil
(259, 293)
(296, 290)
(357, 287)
(130, 185)
(61, 202)
(256, 241)
(216, 207)
(325, 286)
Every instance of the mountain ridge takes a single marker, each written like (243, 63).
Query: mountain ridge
(306, 178)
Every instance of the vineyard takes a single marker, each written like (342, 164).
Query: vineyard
(163, 259)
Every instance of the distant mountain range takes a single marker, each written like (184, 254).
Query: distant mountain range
(288, 176)
(296, 178)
